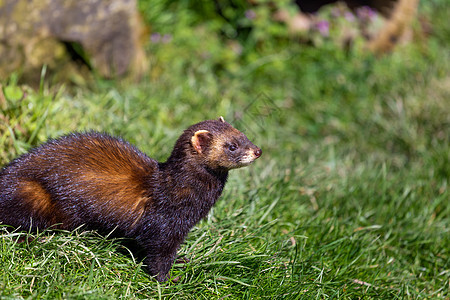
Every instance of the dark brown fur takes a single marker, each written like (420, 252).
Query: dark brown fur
(106, 184)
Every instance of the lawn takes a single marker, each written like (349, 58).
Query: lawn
(350, 198)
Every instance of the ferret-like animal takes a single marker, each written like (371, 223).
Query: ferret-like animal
(104, 183)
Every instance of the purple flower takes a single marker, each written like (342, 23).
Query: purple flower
(324, 27)
(366, 13)
(349, 16)
(371, 12)
(155, 37)
(250, 14)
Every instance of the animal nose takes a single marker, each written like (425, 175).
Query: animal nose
(257, 152)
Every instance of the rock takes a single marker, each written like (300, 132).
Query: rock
(104, 34)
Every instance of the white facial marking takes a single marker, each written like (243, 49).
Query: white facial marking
(248, 158)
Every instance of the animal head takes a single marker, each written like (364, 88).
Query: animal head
(218, 145)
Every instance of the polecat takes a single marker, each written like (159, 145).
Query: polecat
(104, 183)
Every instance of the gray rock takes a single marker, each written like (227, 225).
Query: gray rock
(36, 33)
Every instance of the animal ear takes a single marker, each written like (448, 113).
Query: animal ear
(221, 119)
(201, 139)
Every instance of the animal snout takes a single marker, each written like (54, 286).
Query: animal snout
(257, 152)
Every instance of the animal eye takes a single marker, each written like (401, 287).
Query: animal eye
(232, 147)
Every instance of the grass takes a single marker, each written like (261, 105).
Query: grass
(349, 200)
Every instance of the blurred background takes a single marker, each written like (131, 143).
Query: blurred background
(110, 38)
